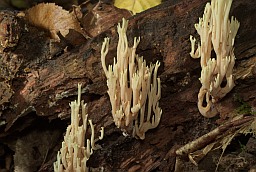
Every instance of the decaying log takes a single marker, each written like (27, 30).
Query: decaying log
(35, 81)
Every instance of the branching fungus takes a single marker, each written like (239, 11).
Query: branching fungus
(216, 32)
(132, 95)
(73, 154)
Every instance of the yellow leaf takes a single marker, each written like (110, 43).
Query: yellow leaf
(136, 6)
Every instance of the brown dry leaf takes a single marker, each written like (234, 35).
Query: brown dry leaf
(102, 17)
(52, 18)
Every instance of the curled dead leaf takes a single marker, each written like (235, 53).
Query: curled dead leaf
(52, 18)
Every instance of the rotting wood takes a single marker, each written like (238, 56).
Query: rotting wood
(44, 84)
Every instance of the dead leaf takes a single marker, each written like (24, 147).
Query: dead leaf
(136, 6)
(102, 17)
(52, 18)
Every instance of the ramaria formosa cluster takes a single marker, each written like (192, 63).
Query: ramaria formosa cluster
(73, 154)
(216, 32)
(134, 98)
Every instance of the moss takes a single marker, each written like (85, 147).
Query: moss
(244, 108)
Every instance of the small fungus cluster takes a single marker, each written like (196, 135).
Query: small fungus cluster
(134, 98)
(216, 32)
(73, 154)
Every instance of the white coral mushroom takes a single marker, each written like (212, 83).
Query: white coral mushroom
(74, 154)
(216, 32)
(133, 97)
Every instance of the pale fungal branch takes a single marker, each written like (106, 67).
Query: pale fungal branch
(217, 33)
(73, 154)
(101, 133)
(104, 52)
(193, 53)
(134, 98)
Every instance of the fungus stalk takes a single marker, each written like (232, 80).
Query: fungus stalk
(216, 33)
(134, 98)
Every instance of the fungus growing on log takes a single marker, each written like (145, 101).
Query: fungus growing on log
(216, 32)
(134, 98)
(73, 154)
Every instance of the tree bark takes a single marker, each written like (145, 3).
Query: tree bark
(34, 81)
